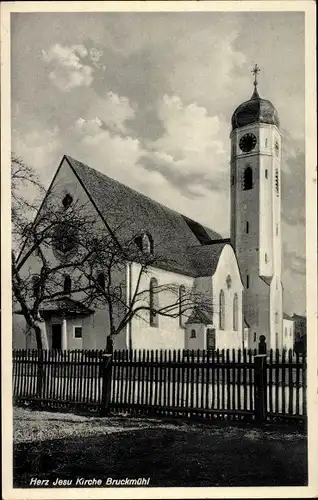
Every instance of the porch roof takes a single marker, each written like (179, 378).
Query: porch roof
(65, 305)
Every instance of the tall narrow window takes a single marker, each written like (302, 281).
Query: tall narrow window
(247, 227)
(266, 258)
(67, 284)
(101, 280)
(235, 312)
(276, 229)
(254, 336)
(265, 143)
(232, 180)
(248, 179)
(182, 305)
(222, 310)
(36, 285)
(153, 302)
(266, 173)
(247, 281)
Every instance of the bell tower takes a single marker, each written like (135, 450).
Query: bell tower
(256, 215)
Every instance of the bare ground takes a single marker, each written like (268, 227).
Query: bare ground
(171, 453)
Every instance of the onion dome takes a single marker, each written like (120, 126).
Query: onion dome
(255, 110)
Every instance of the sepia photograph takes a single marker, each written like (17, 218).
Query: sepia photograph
(156, 183)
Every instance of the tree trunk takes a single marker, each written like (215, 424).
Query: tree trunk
(110, 344)
(41, 334)
(110, 341)
(42, 344)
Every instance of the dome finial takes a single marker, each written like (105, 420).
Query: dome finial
(255, 72)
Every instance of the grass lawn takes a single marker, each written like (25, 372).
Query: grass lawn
(54, 445)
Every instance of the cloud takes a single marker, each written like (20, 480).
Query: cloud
(293, 182)
(68, 70)
(113, 111)
(190, 152)
(294, 262)
(37, 148)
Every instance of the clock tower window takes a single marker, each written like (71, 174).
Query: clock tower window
(277, 182)
(248, 179)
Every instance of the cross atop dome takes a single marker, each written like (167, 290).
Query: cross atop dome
(255, 72)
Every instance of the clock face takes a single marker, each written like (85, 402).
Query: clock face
(248, 142)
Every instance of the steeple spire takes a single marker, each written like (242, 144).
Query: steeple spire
(255, 72)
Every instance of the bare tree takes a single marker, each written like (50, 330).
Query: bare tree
(37, 274)
(111, 256)
(67, 237)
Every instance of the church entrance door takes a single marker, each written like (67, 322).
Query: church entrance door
(210, 339)
(56, 336)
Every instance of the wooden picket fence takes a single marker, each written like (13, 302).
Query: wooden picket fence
(236, 385)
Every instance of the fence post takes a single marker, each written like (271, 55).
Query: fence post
(262, 348)
(106, 383)
(40, 373)
(109, 345)
(260, 388)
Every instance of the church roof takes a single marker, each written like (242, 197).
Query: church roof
(286, 316)
(255, 110)
(189, 247)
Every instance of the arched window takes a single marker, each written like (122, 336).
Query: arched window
(153, 302)
(222, 310)
(193, 334)
(36, 284)
(247, 227)
(182, 305)
(101, 280)
(67, 284)
(248, 179)
(235, 312)
(145, 243)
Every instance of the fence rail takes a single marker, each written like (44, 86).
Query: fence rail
(207, 384)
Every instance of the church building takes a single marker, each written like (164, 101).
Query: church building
(240, 275)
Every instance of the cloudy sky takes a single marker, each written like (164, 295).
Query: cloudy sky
(147, 98)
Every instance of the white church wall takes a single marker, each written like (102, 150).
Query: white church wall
(196, 340)
(168, 334)
(21, 336)
(95, 327)
(227, 338)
